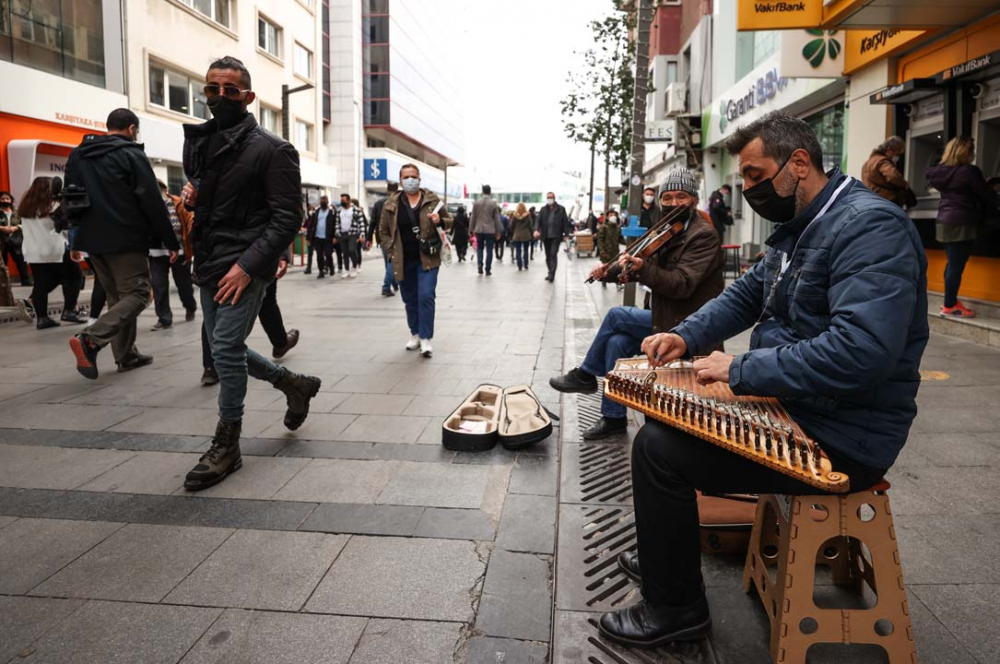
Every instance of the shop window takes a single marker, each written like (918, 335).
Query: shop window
(303, 136)
(176, 91)
(828, 125)
(62, 37)
(268, 37)
(217, 10)
(303, 61)
(270, 119)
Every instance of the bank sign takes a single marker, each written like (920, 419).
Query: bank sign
(768, 85)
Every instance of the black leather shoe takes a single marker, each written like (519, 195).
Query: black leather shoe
(645, 625)
(44, 323)
(134, 362)
(210, 377)
(628, 562)
(72, 317)
(189, 315)
(605, 427)
(278, 352)
(574, 381)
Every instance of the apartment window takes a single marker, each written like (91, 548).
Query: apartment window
(303, 61)
(671, 72)
(176, 91)
(377, 112)
(303, 136)
(270, 119)
(64, 37)
(376, 29)
(376, 7)
(376, 86)
(217, 10)
(376, 58)
(268, 37)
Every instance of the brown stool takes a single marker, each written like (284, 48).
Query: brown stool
(853, 535)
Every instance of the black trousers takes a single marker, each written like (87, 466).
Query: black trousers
(310, 250)
(324, 254)
(552, 245)
(958, 255)
(667, 466)
(270, 319)
(50, 275)
(160, 270)
(498, 246)
(18, 258)
(342, 256)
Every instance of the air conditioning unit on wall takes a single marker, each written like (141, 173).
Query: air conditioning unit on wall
(676, 99)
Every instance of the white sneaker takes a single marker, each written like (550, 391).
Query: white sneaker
(413, 343)
(352, 274)
(343, 274)
(359, 269)
(425, 348)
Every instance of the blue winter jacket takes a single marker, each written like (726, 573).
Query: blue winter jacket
(840, 334)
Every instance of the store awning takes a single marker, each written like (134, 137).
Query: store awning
(904, 14)
(974, 69)
(906, 92)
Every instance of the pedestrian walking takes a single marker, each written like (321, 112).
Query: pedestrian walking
(534, 223)
(460, 233)
(125, 212)
(320, 233)
(966, 200)
(650, 211)
(881, 174)
(719, 210)
(609, 237)
(161, 267)
(409, 228)
(389, 283)
(364, 232)
(248, 206)
(46, 250)
(504, 235)
(486, 227)
(521, 230)
(350, 228)
(552, 226)
(11, 237)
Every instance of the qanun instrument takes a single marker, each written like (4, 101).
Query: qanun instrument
(757, 428)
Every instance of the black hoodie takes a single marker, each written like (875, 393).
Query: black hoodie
(126, 210)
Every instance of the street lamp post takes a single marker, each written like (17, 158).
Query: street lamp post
(285, 92)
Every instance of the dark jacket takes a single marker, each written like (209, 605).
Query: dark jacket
(249, 198)
(881, 176)
(553, 222)
(376, 216)
(521, 228)
(649, 216)
(844, 330)
(461, 227)
(720, 212)
(332, 223)
(126, 210)
(388, 230)
(966, 199)
(609, 237)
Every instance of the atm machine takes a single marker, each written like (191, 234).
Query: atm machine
(925, 141)
(986, 123)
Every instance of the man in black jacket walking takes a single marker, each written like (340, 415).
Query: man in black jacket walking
(245, 188)
(552, 226)
(125, 213)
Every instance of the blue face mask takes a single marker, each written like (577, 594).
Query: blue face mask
(411, 185)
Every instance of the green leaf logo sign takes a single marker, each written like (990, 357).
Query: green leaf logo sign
(824, 44)
(723, 118)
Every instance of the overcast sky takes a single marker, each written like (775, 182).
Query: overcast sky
(516, 56)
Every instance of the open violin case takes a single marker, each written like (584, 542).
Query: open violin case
(512, 416)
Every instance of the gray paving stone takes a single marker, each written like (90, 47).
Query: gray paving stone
(446, 523)
(276, 638)
(226, 513)
(25, 619)
(261, 570)
(124, 634)
(413, 642)
(159, 473)
(54, 468)
(367, 384)
(435, 406)
(324, 402)
(385, 429)
(256, 446)
(139, 563)
(190, 421)
(935, 642)
(367, 404)
(498, 456)
(318, 426)
(528, 524)
(117, 395)
(401, 578)
(339, 481)
(410, 452)
(323, 449)
(55, 416)
(7, 520)
(435, 485)
(259, 479)
(970, 612)
(490, 650)
(534, 474)
(517, 597)
(365, 519)
(32, 550)
(94, 506)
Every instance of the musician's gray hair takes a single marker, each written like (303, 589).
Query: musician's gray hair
(781, 134)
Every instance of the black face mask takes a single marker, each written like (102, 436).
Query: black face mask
(344, 204)
(227, 112)
(5, 204)
(323, 205)
(765, 201)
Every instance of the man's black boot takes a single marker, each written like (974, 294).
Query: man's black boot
(628, 562)
(576, 380)
(606, 426)
(299, 390)
(222, 459)
(646, 625)
(291, 340)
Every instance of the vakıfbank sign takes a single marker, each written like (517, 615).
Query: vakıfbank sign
(779, 14)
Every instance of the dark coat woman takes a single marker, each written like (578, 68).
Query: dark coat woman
(461, 233)
(966, 200)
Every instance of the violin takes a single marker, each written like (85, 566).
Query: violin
(650, 242)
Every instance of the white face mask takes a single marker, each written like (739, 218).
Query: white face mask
(550, 201)
(411, 185)
(613, 219)
(649, 198)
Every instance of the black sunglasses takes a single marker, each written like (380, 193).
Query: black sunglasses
(230, 91)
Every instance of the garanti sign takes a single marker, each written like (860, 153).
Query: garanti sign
(779, 14)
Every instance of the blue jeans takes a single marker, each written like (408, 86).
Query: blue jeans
(485, 242)
(228, 326)
(621, 335)
(389, 280)
(958, 255)
(521, 253)
(418, 290)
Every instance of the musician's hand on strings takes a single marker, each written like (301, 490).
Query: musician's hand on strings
(599, 272)
(632, 262)
(713, 369)
(663, 348)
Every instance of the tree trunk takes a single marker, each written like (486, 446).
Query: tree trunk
(590, 208)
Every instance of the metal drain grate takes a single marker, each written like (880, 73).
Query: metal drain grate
(603, 473)
(577, 640)
(590, 540)
(588, 408)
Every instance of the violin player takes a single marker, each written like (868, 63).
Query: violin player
(679, 278)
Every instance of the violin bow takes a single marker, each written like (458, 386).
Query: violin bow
(648, 237)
